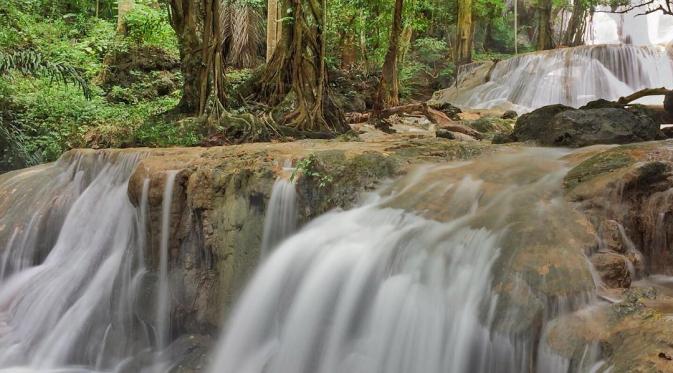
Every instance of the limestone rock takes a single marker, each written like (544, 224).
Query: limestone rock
(577, 128)
(447, 108)
(531, 125)
(612, 268)
(510, 114)
(610, 236)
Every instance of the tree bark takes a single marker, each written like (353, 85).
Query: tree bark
(388, 90)
(123, 7)
(273, 28)
(464, 34)
(298, 67)
(184, 17)
(544, 25)
(574, 34)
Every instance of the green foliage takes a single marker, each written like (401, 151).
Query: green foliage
(149, 25)
(307, 167)
(430, 51)
(32, 63)
(161, 133)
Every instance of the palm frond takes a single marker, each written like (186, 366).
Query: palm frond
(244, 28)
(33, 63)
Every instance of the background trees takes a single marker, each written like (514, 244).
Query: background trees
(189, 72)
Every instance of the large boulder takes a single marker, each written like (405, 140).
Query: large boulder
(559, 125)
(529, 126)
(577, 128)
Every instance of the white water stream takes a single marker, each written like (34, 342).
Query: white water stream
(74, 272)
(571, 76)
(412, 281)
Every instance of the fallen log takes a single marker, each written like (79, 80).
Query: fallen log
(420, 108)
(644, 93)
(435, 117)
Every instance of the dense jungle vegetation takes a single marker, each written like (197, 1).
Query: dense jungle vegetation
(108, 73)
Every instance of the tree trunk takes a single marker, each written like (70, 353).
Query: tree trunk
(405, 43)
(364, 58)
(464, 35)
(273, 28)
(123, 7)
(347, 44)
(544, 25)
(388, 91)
(298, 67)
(576, 25)
(184, 16)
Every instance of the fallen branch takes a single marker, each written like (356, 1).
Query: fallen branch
(644, 93)
(436, 117)
(353, 118)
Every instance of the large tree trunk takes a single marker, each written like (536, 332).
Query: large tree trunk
(544, 25)
(576, 25)
(184, 16)
(298, 67)
(347, 44)
(273, 27)
(123, 7)
(201, 34)
(464, 34)
(388, 91)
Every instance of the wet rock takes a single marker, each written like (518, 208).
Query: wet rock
(445, 134)
(668, 132)
(447, 108)
(610, 236)
(668, 102)
(632, 185)
(502, 138)
(220, 201)
(530, 126)
(510, 114)
(490, 126)
(577, 128)
(601, 104)
(612, 268)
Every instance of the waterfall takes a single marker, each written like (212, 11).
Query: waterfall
(163, 293)
(630, 27)
(73, 268)
(570, 76)
(281, 215)
(436, 273)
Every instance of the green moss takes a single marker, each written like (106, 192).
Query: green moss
(599, 164)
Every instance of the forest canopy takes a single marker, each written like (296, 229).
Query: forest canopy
(119, 73)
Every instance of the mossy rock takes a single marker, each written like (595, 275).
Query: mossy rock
(602, 163)
(491, 126)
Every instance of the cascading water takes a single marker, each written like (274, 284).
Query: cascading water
(73, 268)
(281, 215)
(632, 27)
(454, 268)
(570, 76)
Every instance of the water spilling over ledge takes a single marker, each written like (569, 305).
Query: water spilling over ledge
(569, 76)
(454, 268)
(481, 260)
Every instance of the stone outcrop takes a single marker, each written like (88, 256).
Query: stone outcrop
(631, 185)
(577, 128)
(221, 196)
(529, 126)
(612, 268)
(601, 122)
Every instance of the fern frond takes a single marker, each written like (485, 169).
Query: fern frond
(33, 63)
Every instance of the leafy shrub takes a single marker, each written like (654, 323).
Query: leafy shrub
(431, 51)
(147, 25)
